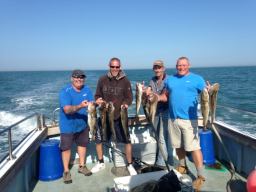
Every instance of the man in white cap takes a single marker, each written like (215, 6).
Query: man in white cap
(156, 85)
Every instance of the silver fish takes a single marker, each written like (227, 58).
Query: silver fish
(124, 120)
(153, 101)
(205, 107)
(149, 103)
(145, 105)
(103, 119)
(111, 110)
(139, 92)
(213, 100)
(92, 118)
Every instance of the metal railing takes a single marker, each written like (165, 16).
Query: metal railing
(40, 125)
(54, 116)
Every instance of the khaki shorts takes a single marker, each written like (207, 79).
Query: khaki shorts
(184, 134)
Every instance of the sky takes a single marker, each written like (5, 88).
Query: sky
(85, 34)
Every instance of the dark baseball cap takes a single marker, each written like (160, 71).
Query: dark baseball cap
(78, 73)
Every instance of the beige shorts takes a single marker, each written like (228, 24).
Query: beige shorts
(184, 134)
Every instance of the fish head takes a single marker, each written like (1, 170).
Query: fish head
(91, 107)
(103, 106)
(111, 106)
(139, 86)
(123, 108)
(153, 98)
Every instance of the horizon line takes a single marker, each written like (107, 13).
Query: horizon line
(193, 67)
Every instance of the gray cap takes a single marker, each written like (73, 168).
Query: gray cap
(78, 73)
(158, 63)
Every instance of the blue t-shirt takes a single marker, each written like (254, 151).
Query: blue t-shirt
(183, 95)
(76, 122)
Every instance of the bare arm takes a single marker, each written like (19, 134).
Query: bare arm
(71, 109)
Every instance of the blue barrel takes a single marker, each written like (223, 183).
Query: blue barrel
(50, 162)
(207, 147)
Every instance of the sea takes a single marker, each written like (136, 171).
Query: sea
(23, 93)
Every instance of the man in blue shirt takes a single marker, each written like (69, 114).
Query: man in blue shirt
(182, 90)
(74, 99)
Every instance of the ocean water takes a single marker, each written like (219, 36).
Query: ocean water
(27, 92)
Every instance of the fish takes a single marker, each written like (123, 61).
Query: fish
(103, 118)
(124, 121)
(213, 92)
(92, 118)
(153, 101)
(205, 108)
(145, 104)
(149, 103)
(111, 110)
(139, 91)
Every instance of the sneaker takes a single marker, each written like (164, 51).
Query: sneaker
(84, 170)
(131, 170)
(98, 167)
(197, 184)
(67, 178)
(182, 169)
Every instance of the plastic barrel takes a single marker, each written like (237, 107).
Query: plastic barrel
(50, 162)
(207, 148)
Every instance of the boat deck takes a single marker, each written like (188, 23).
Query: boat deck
(103, 181)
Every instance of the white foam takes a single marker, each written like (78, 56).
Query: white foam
(26, 102)
(37, 99)
(8, 119)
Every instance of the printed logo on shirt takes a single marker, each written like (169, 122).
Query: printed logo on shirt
(187, 81)
(117, 91)
(69, 88)
(84, 95)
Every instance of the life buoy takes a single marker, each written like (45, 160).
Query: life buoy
(251, 181)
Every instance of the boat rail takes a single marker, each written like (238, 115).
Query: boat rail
(40, 125)
(55, 122)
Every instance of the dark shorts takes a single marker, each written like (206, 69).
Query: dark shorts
(80, 138)
(120, 136)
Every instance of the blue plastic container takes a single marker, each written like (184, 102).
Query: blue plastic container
(207, 147)
(50, 162)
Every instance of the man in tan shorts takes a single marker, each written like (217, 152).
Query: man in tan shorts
(181, 90)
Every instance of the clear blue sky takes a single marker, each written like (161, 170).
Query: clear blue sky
(63, 35)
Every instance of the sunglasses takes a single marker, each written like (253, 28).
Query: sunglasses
(79, 77)
(116, 67)
(157, 67)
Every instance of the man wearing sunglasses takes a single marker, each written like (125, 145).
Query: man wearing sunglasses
(116, 88)
(74, 99)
